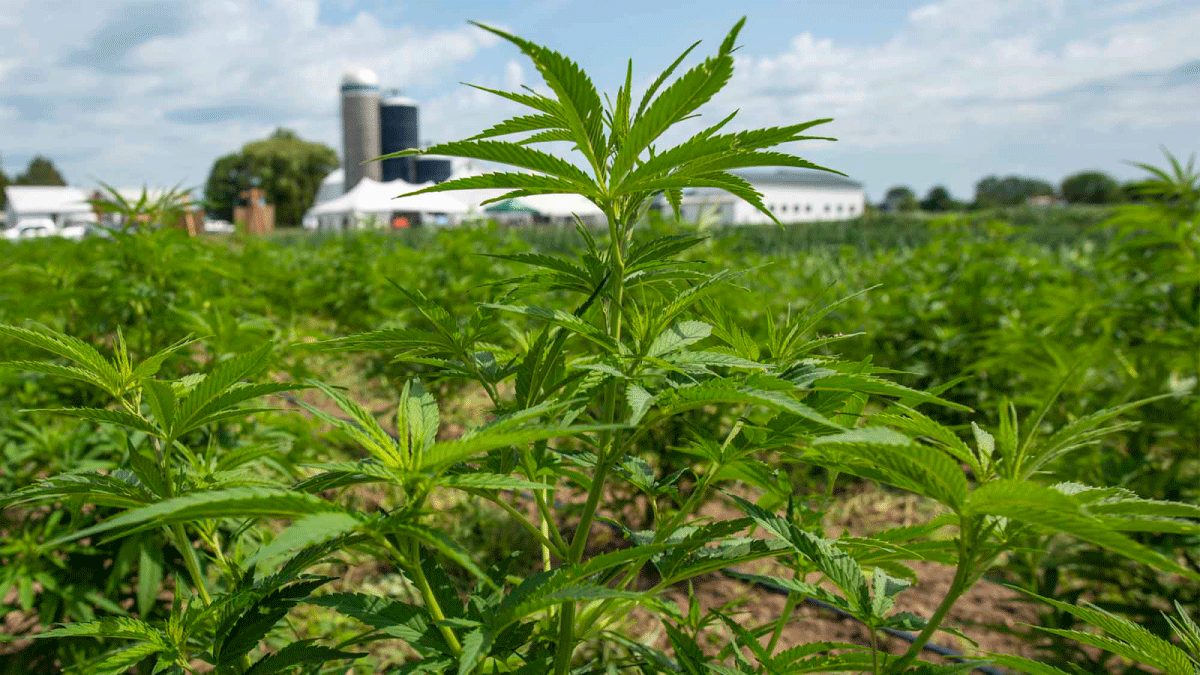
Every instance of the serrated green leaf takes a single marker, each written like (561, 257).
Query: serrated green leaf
(418, 417)
(300, 653)
(105, 416)
(732, 391)
(444, 453)
(363, 428)
(307, 531)
(242, 502)
(679, 336)
(567, 320)
(1048, 509)
(118, 662)
(491, 481)
(928, 470)
(109, 627)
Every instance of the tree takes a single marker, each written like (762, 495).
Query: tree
(3, 184)
(288, 168)
(40, 171)
(900, 198)
(939, 199)
(1091, 187)
(993, 191)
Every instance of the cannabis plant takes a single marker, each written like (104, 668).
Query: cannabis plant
(145, 211)
(576, 397)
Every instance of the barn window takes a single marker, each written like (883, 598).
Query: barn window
(808, 208)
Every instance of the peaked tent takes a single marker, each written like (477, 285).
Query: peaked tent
(373, 199)
(559, 208)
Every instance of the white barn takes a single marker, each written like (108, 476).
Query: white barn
(62, 205)
(793, 195)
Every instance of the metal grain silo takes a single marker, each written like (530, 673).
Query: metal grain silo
(433, 168)
(360, 125)
(399, 119)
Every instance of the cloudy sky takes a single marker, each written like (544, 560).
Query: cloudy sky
(921, 92)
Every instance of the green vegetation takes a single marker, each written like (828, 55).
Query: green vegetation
(40, 171)
(489, 451)
(288, 168)
(1091, 187)
(4, 182)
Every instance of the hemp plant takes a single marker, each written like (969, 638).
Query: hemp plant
(575, 399)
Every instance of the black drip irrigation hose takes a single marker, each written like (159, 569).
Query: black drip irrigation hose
(945, 652)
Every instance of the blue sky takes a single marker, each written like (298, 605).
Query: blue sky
(922, 93)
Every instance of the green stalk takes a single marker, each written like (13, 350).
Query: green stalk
(191, 562)
(960, 584)
(539, 533)
(789, 606)
(664, 533)
(874, 653)
(548, 517)
(431, 603)
(566, 617)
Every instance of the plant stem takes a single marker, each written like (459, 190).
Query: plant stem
(874, 653)
(958, 586)
(793, 599)
(608, 446)
(431, 603)
(544, 509)
(544, 526)
(540, 533)
(191, 562)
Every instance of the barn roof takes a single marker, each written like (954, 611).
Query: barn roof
(45, 199)
(798, 177)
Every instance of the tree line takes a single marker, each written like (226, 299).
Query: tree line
(289, 169)
(39, 171)
(1085, 187)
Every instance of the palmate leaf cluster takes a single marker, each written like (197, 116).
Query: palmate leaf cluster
(617, 141)
(578, 397)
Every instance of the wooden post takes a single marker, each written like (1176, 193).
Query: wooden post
(258, 216)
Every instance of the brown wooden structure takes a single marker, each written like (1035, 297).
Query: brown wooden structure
(257, 216)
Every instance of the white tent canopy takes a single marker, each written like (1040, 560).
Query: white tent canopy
(370, 198)
(557, 208)
(562, 206)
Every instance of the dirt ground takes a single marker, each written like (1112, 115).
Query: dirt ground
(983, 614)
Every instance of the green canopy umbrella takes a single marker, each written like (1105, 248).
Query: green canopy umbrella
(510, 206)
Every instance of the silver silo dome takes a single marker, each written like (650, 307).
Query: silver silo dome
(360, 125)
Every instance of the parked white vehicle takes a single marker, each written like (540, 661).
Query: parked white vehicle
(31, 228)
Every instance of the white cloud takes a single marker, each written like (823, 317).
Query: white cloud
(959, 84)
(969, 73)
(130, 104)
(514, 76)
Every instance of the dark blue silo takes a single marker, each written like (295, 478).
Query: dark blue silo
(433, 168)
(399, 127)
